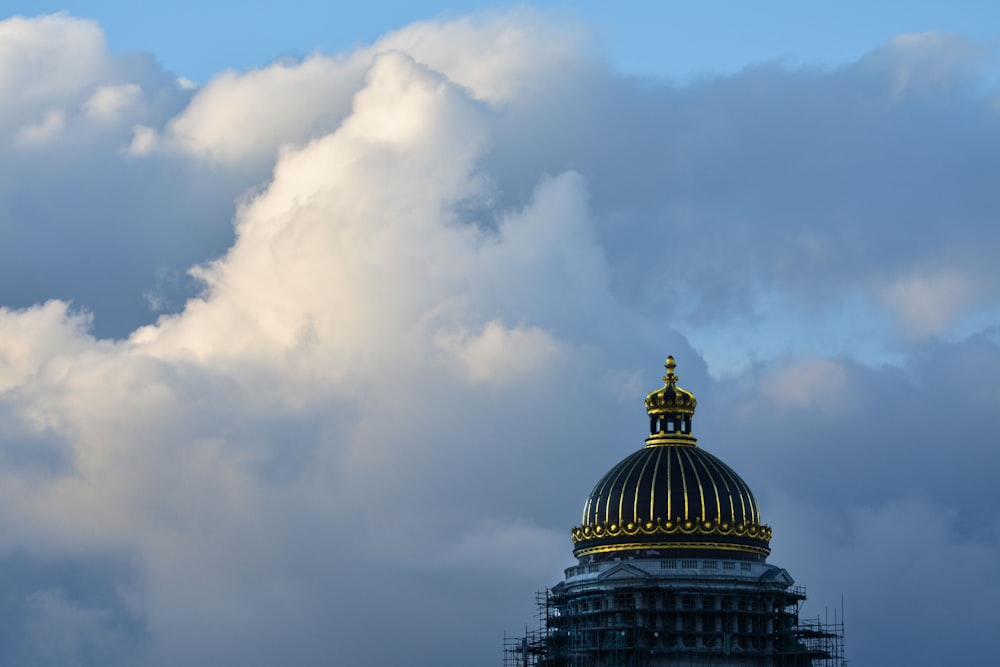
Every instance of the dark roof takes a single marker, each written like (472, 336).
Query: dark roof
(671, 496)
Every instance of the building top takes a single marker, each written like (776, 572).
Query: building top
(671, 498)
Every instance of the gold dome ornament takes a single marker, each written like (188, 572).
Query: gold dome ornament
(670, 411)
(671, 496)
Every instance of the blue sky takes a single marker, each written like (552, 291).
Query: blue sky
(315, 323)
(646, 38)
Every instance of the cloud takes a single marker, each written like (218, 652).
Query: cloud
(238, 116)
(353, 263)
(36, 337)
(890, 558)
(245, 115)
(501, 546)
(73, 610)
(50, 125)
(926, 304)
(425, 301)
(925, 63)
(498, 354)
(45, 60)
(71, 193)
(110, 101)
(813, 383)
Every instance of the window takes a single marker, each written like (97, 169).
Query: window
(624, 601)
(668, 564)
(710, 564)
(728, 565)
(690, 564)
(744, 567)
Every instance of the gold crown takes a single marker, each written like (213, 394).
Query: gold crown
(671, 399)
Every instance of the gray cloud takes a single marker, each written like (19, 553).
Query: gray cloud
(76, 609)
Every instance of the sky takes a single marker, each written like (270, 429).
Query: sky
(318, 325)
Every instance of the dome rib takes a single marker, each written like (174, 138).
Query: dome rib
(702, 516)
(625, 485)
(595, 498)
(666, 490)
(652, 484)
(684, 483)
(611, 495)
(729, 492)
(638, 488)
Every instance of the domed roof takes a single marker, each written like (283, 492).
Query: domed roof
(672, 497)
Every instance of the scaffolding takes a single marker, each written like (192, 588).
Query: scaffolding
(649, 626)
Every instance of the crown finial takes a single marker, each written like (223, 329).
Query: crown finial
(670, 378)
(670, 410)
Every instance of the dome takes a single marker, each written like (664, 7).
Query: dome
(672, 497)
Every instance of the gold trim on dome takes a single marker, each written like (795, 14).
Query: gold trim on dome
(672, 527)
(663, 439)
(641, 546)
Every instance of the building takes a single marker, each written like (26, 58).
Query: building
(672, 568)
